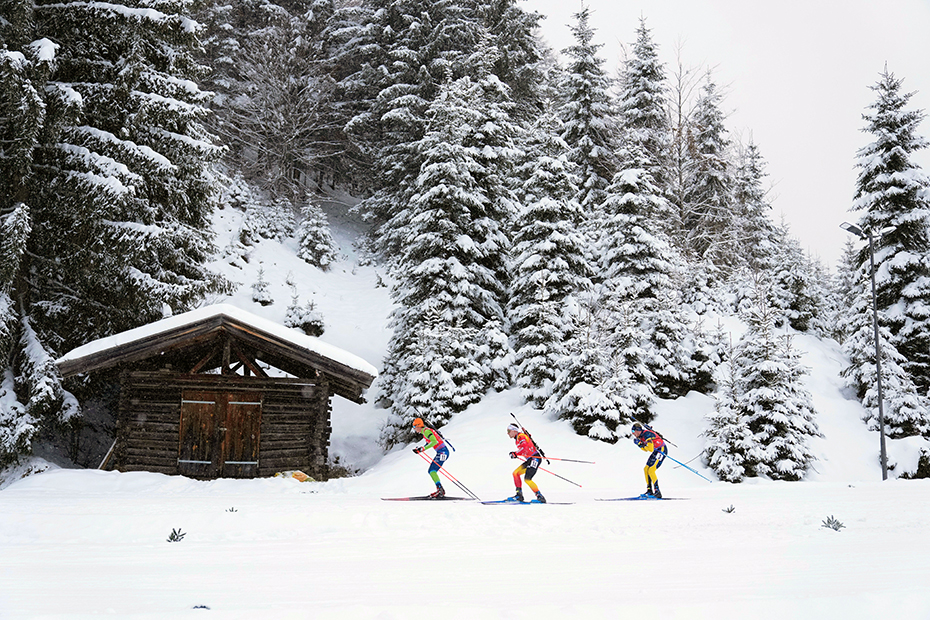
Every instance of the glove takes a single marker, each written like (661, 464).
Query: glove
(418, 450)
(513, 455)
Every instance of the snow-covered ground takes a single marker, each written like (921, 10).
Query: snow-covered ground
(89, 544)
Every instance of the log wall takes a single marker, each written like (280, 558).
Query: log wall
(295, 423)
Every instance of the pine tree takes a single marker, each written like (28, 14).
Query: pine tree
(260, 293)
(109, 164)
(266, 221)
(774, 404)
(317, 245)
(408, 50)
(728, 436)
(636, 259)
(639, 266)
(642, 109)
(274, 100)
(587, 116)
(759, 238)
(845, 289)
(796, 292)
(549, 267)
(905, 411)
(893, 196)
(708, 218)
(453, 266)
(121, 206)
(586, 391)
(304, 317)
(672, 348)
(17, 426)
(518, 61)
(633, 382)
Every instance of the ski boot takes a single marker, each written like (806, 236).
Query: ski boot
(439, 494)
(517, 497)
(540, 498)
(658, 493)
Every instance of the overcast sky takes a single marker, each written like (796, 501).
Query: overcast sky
(797, 76)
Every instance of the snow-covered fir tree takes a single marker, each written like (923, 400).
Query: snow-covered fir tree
(676, 354)
(636, 259)
(17, 425)
(639, 267)
(260, 293)
(633, 382)
(759, 238)
(844, 285)
(893, 198)
(773, 402)
(587, 116)
(407, 51)
(797, 291)
(729, 439)
(549, 266)
(114, 173)
(905, 411)
(587, 391)
(519, 54)
(266, 219)
(317, 245)
(304, 317)
(708, 219)
(453, 265)
(642, 110)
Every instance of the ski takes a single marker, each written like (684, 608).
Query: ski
(535, 501)
(643, 497)
(419, 498)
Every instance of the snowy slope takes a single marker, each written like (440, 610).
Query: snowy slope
(85, 544)
(356, 311)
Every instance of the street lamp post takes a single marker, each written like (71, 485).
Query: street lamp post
(878, 357)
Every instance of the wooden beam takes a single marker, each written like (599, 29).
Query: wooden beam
(226, 355)
(204, 361)
(249, 362)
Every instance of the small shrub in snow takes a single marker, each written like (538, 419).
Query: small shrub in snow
(832, 523)
(267, 221)
(176, 535)
(260, 294)
(306, 318)
(317, 246)
(730, 510)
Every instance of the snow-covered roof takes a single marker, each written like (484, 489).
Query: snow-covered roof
(101, 353)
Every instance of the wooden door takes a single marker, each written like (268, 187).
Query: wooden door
(240, 441)
(198, 452)
(219, 434)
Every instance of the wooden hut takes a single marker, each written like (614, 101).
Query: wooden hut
(221, 393)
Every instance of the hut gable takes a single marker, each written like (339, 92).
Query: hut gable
(220, 392)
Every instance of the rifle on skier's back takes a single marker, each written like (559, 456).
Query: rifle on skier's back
(647, 427)
(527, 433)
